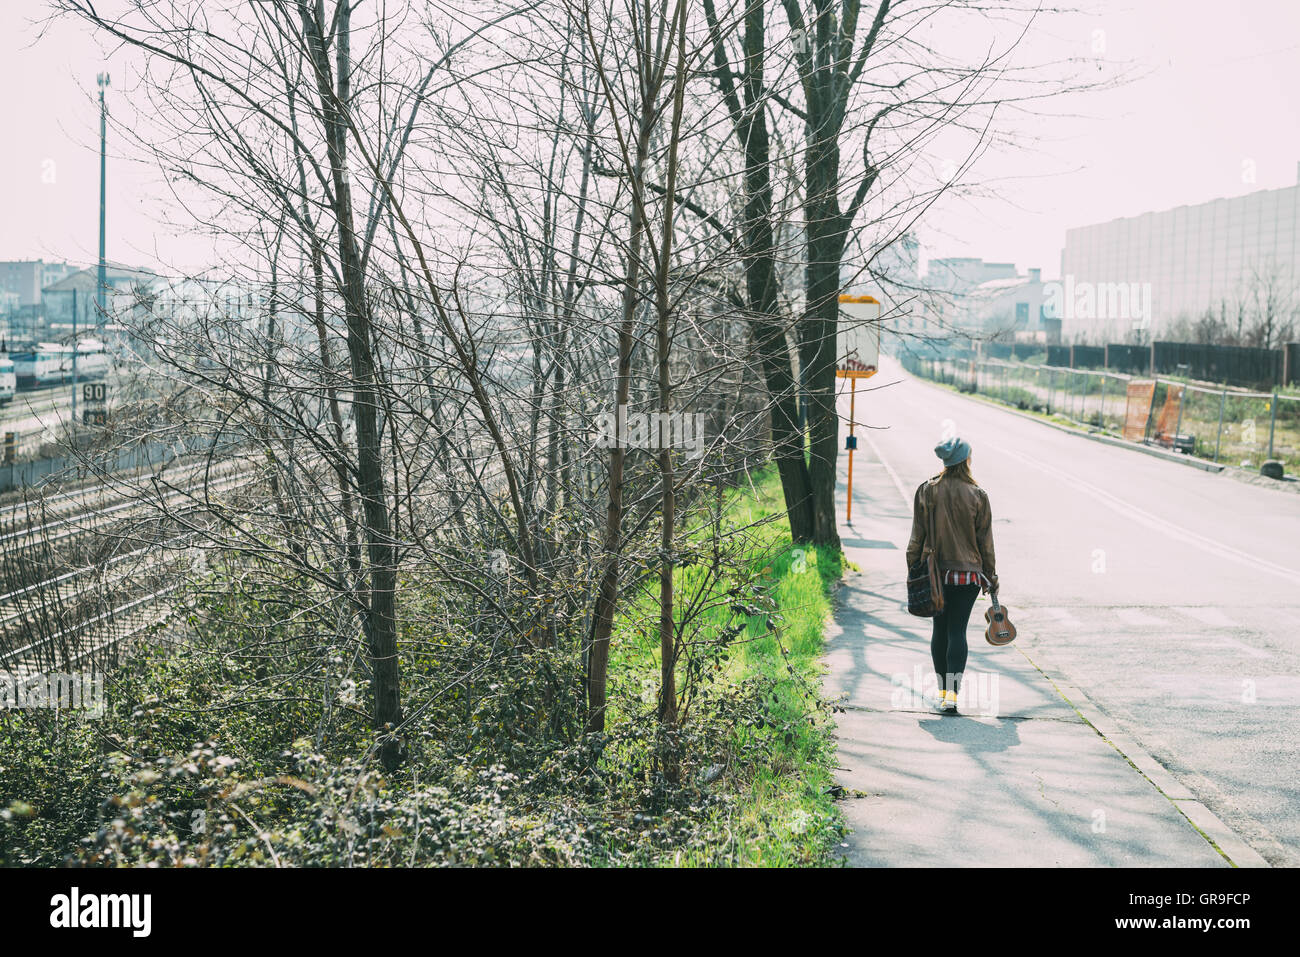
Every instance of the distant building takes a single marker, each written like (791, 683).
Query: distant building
(22, 279)
(1011, 310)
(192, 304)
(72, 299)
(1181, 262)
(208, 319)
(958, 274)
(54, 272)
(22, 285)
(947, 284)
(25, 278)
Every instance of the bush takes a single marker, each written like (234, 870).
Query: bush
(1022, 399)
(247, 744)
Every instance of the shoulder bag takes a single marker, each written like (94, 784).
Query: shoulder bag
(924, 580)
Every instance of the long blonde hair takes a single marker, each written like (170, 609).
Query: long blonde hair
(961, 471)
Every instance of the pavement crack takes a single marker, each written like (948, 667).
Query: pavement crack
(1042, 790)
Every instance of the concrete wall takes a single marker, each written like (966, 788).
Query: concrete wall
(73, 467)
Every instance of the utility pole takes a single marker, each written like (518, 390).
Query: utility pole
(74, 359)
(101, 277)
(102, 280)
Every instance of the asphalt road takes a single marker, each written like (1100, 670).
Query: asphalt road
(1168, 594)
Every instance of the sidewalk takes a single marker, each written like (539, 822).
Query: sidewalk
(1019, 778)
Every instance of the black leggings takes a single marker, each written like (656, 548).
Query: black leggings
(948, 640)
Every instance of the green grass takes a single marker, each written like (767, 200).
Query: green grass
(783, 813)
(1056, 417)
(788, 806)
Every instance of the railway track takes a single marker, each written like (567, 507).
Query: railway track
(30, 402)
(65, 618)
(69, 616)
(22, 608)
(91, 641)
(37, 517)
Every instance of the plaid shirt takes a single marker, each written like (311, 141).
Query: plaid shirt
(965, 578)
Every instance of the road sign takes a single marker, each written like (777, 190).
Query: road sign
(95, 409)
(857, 344)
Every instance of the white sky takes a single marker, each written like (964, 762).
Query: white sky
(1218, 96)
(1221, 91)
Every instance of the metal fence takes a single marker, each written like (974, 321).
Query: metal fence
(1240, 364)
(1220, 424)
(75, 466)
(22, 446)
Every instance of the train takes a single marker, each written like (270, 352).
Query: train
(8, 380)
(51, 363)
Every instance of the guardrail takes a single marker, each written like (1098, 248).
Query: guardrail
(1215, 423)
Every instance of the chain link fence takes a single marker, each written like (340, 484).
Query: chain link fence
(1231, 426)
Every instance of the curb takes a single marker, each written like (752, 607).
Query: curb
(1224, 839)
(1287, 484)
(1094, 436)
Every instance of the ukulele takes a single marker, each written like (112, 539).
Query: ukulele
(1000, 630)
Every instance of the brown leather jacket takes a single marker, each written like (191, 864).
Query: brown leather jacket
(963, 527)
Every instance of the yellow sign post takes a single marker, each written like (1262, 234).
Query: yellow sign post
(857, 357)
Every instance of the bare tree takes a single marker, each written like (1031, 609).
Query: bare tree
(1272, 295)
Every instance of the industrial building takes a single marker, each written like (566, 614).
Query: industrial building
(1186, 260)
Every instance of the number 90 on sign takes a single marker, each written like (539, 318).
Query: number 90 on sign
(94, 392)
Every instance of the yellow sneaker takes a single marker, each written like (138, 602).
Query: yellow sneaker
(949, 702)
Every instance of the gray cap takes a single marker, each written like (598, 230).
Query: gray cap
(953, 452)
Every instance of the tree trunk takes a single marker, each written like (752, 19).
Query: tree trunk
(826, 239)
(607, 597)
(758, 248)
(381, 623)
(663, 310)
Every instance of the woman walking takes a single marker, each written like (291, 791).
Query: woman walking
(963, 547)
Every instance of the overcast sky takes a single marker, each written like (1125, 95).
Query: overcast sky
(1216, 108)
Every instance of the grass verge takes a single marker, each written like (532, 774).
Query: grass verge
(785, 806)
(213, 752)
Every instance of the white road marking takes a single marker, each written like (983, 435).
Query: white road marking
(1214, 617)
(1142, 516)
(1137, 618)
